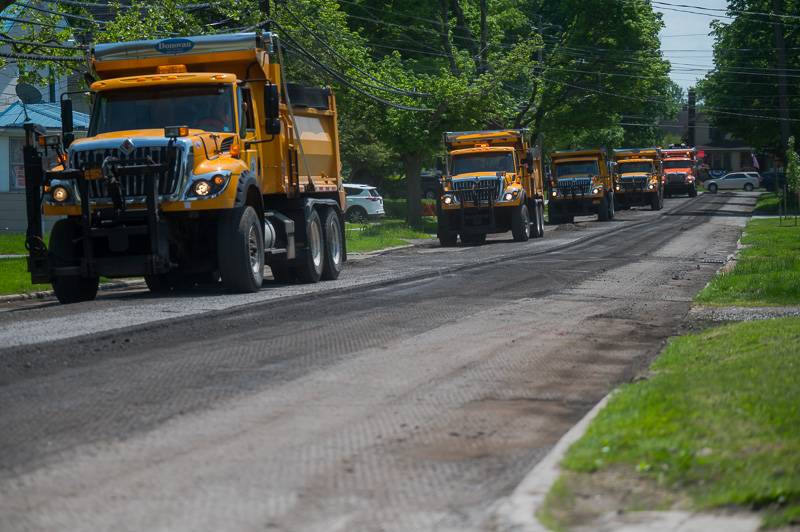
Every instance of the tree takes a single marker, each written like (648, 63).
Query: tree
(741, 93)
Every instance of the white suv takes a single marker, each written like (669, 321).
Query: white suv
(734, 181)
(363, 203)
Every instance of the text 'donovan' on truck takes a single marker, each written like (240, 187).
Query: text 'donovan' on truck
(201, 162)
(494, 184)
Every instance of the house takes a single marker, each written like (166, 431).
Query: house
(12, 139)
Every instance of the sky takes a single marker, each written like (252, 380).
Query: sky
(686, 31)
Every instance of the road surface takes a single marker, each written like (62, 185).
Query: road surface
(410, 395)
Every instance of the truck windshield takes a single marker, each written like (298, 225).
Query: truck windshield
(483, 162)
(579, 168)
(207, 107)
(678, 164)
(627, 168)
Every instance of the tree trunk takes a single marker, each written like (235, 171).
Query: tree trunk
(444, 26)
(484, 50)
(412, 164)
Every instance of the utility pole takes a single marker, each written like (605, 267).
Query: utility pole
(783, 98)
(692, 118)
(484, 51)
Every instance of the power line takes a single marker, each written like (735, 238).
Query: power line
(65, 15)
(37, 57)
(386, 87)
(3, 38)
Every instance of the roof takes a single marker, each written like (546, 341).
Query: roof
(47, 115)
(355, 185)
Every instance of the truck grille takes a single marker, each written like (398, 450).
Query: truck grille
(132, 185)
(477, 190)
(577, 185)
(676, 179)
(634, 182)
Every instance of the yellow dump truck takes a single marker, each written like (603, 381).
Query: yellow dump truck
(493, 184)
(580, 185)
(638, 178)
(201, 163)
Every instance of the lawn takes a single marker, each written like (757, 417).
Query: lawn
(718, 421)
(767, 271)
(15, 279)
(388, 233)
(12, 244)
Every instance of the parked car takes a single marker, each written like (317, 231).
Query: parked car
(734, 181)
(430, 181)
(363, 202)
(773, 181)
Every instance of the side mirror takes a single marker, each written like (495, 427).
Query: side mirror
(67, 128)
(529, 158)
(272, 110)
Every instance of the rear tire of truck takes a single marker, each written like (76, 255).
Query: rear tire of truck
(311, 261)
(448, 240)
(334, 249)
(240, 250)
(521, 223)
(538, 231)
(692, 191)
(65, 252)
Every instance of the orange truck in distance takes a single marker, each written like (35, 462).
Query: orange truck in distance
(201, 163)
(679, 171)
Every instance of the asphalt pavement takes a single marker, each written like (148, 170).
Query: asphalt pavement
(410, 395)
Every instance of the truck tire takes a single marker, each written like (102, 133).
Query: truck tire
(606, 206)
(538, 228)
(473, 239)
(692, 191)
(65, 252)
(447, 238)
(334, 245)
(311, 260)
(553, 215)
(656, 201)
(240, 250)
(521, 223)
(159, 283)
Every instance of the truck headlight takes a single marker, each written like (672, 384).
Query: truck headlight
(447, 200)
(595, 190)
(202, 188)
(651, 186)
(616, 188)
(555, 193)
(59, 194)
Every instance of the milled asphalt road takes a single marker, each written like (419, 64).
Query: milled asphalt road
(411, 394)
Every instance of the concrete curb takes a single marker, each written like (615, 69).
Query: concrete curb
(47, 294)
(517, 513)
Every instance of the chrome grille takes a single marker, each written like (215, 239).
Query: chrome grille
(132, 185)
(577, 185)
(481, 190)
(634, 182)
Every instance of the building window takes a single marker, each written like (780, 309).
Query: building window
(16, 172)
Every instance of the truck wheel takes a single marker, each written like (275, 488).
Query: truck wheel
(521, 223)
(240, 250)
(604, 214)
(160, 283)
(311, 260)
(656, 202)
(692, 191)
(553, 216)
(473, 239)
(538, 229)
(448, 239)
(612, 211)
(65, 252)
(334, 249)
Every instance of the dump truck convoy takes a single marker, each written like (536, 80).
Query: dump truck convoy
(679, 174)
(638, 178)
(493, 184)
(201, 162)
(580, 185)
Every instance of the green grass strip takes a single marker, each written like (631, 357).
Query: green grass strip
(15, 279)
(719, 420)
(387, 234)
(767, 272)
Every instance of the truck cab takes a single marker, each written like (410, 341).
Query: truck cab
(679, 171)
(580, 185)
(201, 163)
(638, 178)
(493, 184)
